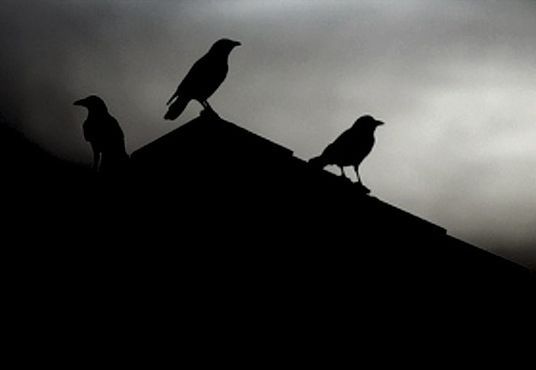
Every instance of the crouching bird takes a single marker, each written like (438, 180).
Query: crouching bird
(104, 134)
(350, 148)
(203, 79)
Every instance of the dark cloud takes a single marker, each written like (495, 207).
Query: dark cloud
(454, 80)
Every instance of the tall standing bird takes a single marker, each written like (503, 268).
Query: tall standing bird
(104, 134)
(203, 79)
(351, 147)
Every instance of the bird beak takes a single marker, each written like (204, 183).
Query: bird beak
(79, 102)
(379, 123)
(237, 43)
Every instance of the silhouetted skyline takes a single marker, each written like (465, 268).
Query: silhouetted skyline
(454, 80)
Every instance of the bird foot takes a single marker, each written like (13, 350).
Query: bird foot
(361, 188)
(209, 113)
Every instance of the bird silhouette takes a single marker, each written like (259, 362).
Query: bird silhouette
(203, 79)
(104, 134)
(350, 148)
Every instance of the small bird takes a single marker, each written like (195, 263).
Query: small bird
(351, 147)
(104, 134)
(203, 79)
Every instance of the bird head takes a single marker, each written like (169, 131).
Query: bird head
(225, 45)
(367, 121)
(92, 102)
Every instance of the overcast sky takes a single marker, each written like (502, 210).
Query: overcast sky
(455, 82)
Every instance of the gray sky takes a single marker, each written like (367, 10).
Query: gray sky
(455, 82)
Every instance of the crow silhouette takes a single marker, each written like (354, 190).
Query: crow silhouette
(351, 147)
(203, 79)
(104, 134)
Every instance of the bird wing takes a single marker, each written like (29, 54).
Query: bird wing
(339, 145)
(114, 129)
(195, 76)
(175, 94)
(360, 143)
(350, 148)
(102, 130)
(186, 83)
(90, 130)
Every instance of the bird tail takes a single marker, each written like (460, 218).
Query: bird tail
(318, 162)
(176, 108)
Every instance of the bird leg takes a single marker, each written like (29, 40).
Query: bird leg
(362, 187)
(208, 108)
(357, 174)
(96, 157)
(343, 174)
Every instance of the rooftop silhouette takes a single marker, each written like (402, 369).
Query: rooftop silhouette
(255, 192)
(213, 223)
